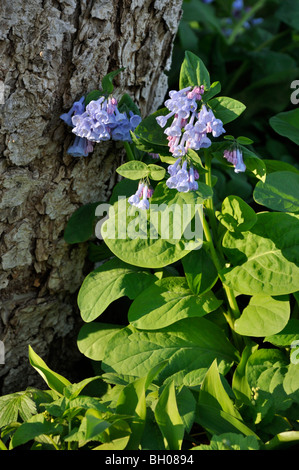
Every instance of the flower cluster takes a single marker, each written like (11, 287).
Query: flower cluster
(140, 198)
(182, 179)
(81, 146)
(238, 11)
(189, 128)
(235, 157)
(102, 121)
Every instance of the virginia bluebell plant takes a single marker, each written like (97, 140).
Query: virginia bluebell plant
(192, 345)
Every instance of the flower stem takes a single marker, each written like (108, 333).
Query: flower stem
(209, 202)
(233, 311)
(129, 152)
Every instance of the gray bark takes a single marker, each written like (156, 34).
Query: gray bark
(52, 53)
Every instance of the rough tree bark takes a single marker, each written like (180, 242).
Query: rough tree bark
(53, 52)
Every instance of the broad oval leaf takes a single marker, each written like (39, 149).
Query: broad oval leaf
(156, 172)
(80, 226)
(236, 215)
(200, 271)
(93, 338)
(266, 258)
(287, 124)
(133, 238)
(150, 131)
(109, 282)
(279, 192)
(193, 72)
(264, 315)
(133, 170)
(168, 301)
(226, 109)
(189, 345)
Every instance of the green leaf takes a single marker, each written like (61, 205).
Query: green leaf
(280, 191)
(173, 211)
(93, 425)
(151, 147)
(193, 72)
(189, 345)
(93, 338)
(244, 140)
(116, 444)
(133, 170)
(168, 301)
(35, 426)
(187, 406)
(109, 282)
(283, 440)
(14, 405)
(107, 84)
(196, 161)
(266, 258)
(226, 109)
(236, 215)
(287, 124)
(73, 391)
(253, 163)
(288, 335)
(291, 382)
(200, 271)
(94, 95)
(80, 226)
(132, 402)
(119, 429)
(265, 373)
(150, 131)
(230, 441)
(126, 104)
(264, 315)
(212, 393)
(133, 238)
(277, 165)
(168, 418)
(203, 13)
(216, 411)
(288, 12)
(55, 381)
(157, 172)
(240, 385)
(214, 89)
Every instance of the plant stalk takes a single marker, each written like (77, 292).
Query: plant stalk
(129, 152)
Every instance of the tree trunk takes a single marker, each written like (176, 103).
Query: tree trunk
(53, 52)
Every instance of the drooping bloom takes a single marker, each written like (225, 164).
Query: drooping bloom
(141, 198)
(181, 178)
(189, 128)
(77, 108)
(81, 146)
(235, 157)
(135, 198)
(103, 121)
